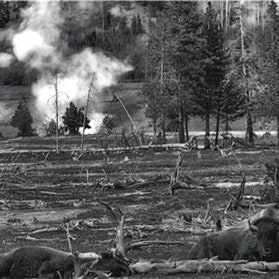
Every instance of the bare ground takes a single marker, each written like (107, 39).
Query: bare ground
(40, 189)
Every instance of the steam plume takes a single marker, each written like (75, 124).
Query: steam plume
(38, 43)
(5, 59)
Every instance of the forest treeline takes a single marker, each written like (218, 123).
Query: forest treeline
(205, 60)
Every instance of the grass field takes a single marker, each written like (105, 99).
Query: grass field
(40, 188)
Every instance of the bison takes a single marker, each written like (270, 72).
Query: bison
(44, 262)
(253, 239)
(36, 261)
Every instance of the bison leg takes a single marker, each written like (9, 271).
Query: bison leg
(52, 270)
(23, 271)
(248, 255)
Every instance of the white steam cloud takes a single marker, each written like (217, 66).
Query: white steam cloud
(38, 44)
(73, 85)
(5, 59)
(135, 9)
(5, 112)
(24, 49)
(95, 123)
(37, 40)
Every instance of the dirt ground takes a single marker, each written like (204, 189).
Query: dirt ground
(40, 189)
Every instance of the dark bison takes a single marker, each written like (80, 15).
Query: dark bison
(253, 239)
(48, 263)
(36, 261)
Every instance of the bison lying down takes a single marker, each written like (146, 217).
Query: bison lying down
(255, 239)
(48, 263)
(34, 261)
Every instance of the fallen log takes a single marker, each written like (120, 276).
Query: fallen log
(198, 266)
(138, 244)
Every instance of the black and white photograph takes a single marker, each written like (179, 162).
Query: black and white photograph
(139, 139)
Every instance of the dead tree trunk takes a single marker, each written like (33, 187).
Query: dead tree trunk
(181, 125)
(175, 177)
(163, 138)
(162, 84)
(86, 110)
(103, 22)
(134, 126)
(56, 111)
(197, 266)
(207, 131)
(249, 134)
(154, 120)
(217, 126)
(186, 118)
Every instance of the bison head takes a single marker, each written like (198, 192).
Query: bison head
(266, 232)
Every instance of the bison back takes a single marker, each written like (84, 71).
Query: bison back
(203, 249)
(225, 245)
(31, 261)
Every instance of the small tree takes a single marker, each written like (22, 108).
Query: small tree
(108, 123)
(23, 120)
(50, 128)
(73, 119)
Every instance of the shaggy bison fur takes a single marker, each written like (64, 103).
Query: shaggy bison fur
(252, 241)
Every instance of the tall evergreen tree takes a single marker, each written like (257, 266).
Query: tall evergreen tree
(23, 120)
(73, 119)
(232, 103)
(157, 86)
(210, 96)
(245, 56)
(4, 14)
(187, 57)
(268, 100)
(215, 70)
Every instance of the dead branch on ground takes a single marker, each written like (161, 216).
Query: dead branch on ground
(175, 184)
(225, 152)
(205, 266)
(115, 212)
(115, 260)
(238, 201)
(192, 143)
(77, 268)
(175, 177)
(139, 244)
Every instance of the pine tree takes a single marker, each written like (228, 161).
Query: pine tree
(108, 123)
(187, 57)
(50, 128)
(232, 103)
(23, 120)
(156, 88)
(134, 25)
(73, 119)
(4, 14)
(215, 71)
(268, 100)
(245, 60)
(199, 58)
(139, 25)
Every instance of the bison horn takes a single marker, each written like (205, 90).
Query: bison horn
(252, 227)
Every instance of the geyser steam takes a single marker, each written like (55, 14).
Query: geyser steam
(38, 43)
